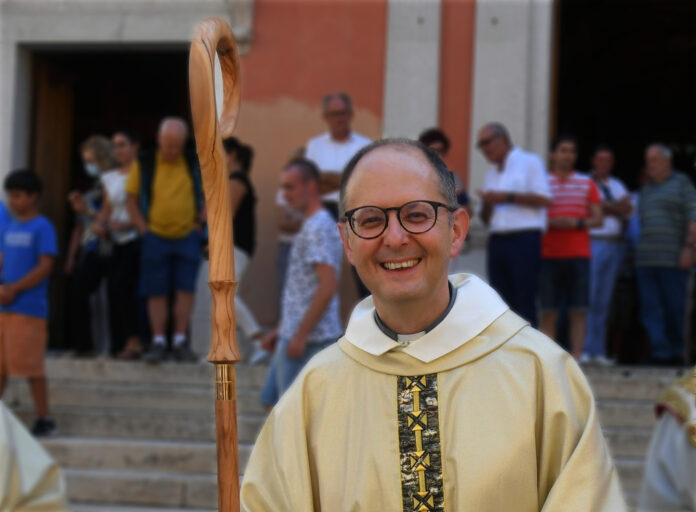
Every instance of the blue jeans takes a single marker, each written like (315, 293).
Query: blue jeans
(283, 369)
(513, 264)
(662, 293)
(605, 264)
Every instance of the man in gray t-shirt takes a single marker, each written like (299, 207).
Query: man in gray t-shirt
(309, 311)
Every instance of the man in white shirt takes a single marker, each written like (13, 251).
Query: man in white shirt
(514, 200)
(607, 252)
(332, 150)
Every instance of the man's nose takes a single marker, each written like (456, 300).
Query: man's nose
(394, 234)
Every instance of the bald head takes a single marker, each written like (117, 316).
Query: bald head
(171, 138)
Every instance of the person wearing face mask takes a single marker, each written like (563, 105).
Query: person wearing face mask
(115, 222)
(85, 261)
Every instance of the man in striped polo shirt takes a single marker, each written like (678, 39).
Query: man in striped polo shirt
(665, 253)
(565, 247)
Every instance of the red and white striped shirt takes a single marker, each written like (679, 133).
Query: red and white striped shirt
(571, 196)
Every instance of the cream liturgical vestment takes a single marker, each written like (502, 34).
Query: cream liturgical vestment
(669, 483)
(30, 481)
(480, 413)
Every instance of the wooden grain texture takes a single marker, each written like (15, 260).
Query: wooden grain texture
(227, 446)
(214, 36)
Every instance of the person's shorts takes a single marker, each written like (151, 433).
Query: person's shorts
(169, 264)
(564, 282)
(22, 345)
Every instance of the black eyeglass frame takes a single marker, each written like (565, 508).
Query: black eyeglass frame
(348, 216)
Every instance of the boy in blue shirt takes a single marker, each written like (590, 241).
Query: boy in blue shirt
(27, 254)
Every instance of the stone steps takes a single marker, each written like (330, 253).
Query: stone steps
(145, 488)
(141, 424)
(143, 455)
(140, 438)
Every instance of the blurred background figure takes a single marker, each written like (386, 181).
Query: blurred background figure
(565, 247)
(514, 200)
(607, 243)
(332, 150)
(435, 139)
(665, 254)
(309, 319)
(289, 222)
(165, 202)
(243, 200)
(669, 481)
(87, 255)
(115, 222)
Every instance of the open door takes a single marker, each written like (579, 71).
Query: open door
(51, 159)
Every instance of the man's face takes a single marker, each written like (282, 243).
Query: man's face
(390, 177)
(170, 144)
(603, 163)
(338, 117)
(295, 188)
(493, 146)
(564, 156)
(657, 167)
(124, 150)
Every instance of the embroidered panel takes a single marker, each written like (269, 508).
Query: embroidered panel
(419, 444)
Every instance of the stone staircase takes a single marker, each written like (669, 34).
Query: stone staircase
(141, 439)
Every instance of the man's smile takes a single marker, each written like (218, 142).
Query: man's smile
(400, 265)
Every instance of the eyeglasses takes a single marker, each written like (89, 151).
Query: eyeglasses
(415, 217)
(486, 141)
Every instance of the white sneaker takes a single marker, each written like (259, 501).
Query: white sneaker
(585, 358)
(604, 361)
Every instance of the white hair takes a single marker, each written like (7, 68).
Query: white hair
(663, 150)
(173, 123)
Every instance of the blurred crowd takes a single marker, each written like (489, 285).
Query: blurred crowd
(559, 241)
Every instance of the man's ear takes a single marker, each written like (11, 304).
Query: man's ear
(343, 231)
(460, 228)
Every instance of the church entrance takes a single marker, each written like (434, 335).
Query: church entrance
(80, 93)
(626, 77)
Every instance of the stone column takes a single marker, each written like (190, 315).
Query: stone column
(412, 83)
(512, 75)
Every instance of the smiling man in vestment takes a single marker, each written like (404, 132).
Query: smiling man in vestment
(438, 397)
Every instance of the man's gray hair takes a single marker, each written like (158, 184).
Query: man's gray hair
(173, 122)
(341, 96)
(663, 150)
(500, 130)
(444, 175)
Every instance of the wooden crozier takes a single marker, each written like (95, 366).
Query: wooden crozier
(215, 36)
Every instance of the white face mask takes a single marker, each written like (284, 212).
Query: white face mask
(91, 169)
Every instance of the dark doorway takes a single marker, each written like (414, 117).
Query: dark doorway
(626, 77)
(82, 93)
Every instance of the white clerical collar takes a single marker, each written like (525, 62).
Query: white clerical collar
(475, 307)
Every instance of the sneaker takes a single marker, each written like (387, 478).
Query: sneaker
(604, 361)
(184, 354)
(44, 427)
(585, 358)
(156, 354)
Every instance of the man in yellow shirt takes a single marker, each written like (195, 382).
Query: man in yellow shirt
(165, 202)
(438, 397)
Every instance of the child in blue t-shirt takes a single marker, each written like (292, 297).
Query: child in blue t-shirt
(27, 253)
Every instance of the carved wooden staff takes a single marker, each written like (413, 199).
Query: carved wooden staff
(215, 36)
